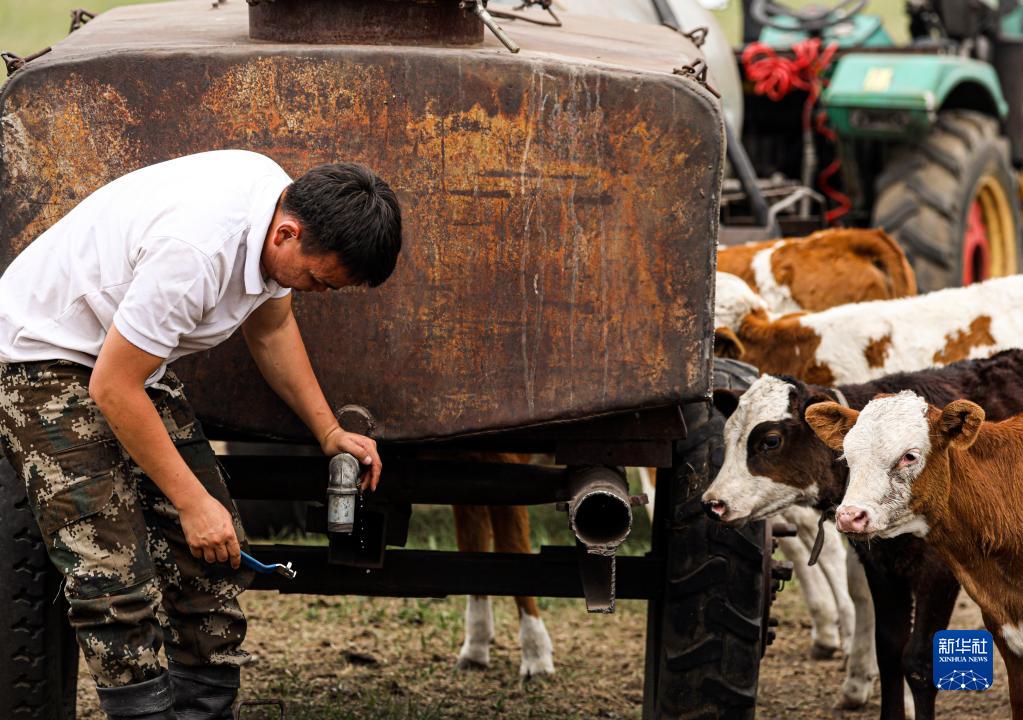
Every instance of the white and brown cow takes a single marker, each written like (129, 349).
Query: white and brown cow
(858, 342)
(500, 528)
(873, 267)
(796, 274)
(949, 477)
(773, 458)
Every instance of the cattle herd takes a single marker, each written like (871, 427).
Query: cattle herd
(898, 415)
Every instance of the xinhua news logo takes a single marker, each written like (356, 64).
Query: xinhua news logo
(963, 660)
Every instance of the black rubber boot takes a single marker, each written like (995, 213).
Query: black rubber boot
(149, 700)
(204, 692)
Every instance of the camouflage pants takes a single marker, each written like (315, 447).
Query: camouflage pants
(130, 579)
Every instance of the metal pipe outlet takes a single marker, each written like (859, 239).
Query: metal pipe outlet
(342, 491)
(600, 509)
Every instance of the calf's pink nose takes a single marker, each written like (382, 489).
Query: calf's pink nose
(851, 519)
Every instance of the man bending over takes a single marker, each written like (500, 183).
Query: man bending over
(163, 262)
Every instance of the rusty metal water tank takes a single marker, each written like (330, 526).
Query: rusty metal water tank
(560, 203)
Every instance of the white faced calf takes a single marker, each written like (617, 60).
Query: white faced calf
(952, 478)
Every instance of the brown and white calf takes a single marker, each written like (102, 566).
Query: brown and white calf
(482, 528)
(799, 273)
(951, 478)
(862, 341)
(499, 528)
(774, 459)
(790, 275)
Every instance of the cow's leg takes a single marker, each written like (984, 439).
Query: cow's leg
(893, 611)
(817, 594)
(1014, 669)
(935, 597)
(511, 534)
(861, 667)
(833, 565)
(817, 591)
(1013, 666)
(473, 532)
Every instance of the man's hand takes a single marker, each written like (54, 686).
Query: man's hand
(275, 342)
(117, 387)
(363, 448)
(209, 531)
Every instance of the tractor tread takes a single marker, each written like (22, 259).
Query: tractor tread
(706, 629)
(39, 673)
(925, 191)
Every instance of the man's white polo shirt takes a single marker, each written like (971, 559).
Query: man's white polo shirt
(168, 254)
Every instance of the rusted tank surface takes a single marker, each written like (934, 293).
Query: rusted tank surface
(560, 204)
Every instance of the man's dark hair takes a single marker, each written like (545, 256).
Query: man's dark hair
(346, 209)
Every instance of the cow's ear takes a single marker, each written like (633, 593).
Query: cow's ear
(960, 422)
(831, 422)
(726, 400)
(727, 344)
(816, 397)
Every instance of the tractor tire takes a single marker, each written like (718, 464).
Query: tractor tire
(38, 651)
(706, 633)
(952, 202)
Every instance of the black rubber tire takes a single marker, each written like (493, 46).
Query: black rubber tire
(705, 634)
(924, 193)
(38, 651)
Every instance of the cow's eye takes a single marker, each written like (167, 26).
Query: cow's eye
(910, 458)
(771, 441)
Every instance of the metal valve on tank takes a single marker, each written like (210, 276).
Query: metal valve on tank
(342, 492)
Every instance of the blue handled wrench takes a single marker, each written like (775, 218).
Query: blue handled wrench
(254, 564)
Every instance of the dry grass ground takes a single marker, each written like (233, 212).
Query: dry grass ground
(793, 687)
(351, 658)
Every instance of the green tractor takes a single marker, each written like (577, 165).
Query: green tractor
(924, 139)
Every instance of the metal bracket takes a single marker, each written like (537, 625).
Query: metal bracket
(480, 8)
(597, 573)
(698, 35)
(15, 63)
(526, 4)
(79, 17)
(697, 69)
(356, 419)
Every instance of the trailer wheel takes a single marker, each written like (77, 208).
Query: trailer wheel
(38, 651)
(705, 634)
(952, 202)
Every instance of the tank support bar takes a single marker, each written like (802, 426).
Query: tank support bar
(553, 572)
(427, 482)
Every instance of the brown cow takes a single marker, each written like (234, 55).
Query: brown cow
(916, 590)
(799, 273)
(482, 528)
(951, 478)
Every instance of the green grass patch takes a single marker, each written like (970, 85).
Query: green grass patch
(30, 25)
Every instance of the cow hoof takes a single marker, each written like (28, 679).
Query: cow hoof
(473, 657)
(536, 667)
(468, 665)
(855, 693)
(822, 652)
(537, 650)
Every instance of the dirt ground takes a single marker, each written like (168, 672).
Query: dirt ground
(793, 687)
(341, 658)
(352, 658)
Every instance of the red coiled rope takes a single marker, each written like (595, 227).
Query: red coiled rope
(775, 76)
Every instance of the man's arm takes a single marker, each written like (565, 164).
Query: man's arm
(117, 388)
(273, 337)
